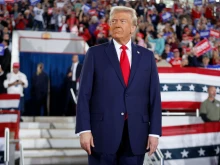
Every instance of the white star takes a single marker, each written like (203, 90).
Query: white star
(217, 90)
(217, 150)
(179, 87)
(185, 153)
(201, 152)
(204, 89)
(191, 87)
(168, 155)
(165, 87)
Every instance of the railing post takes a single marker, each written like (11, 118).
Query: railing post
(197, 112)
(21, 154)
(6, 146)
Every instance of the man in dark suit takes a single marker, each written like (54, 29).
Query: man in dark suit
(2, 79)
(72, 79)
(119, 105)
(5, 60)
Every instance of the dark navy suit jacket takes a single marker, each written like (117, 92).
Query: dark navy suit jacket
(104, 98)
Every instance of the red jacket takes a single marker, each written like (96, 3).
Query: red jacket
(195, 14)
(85, 35)
(209, 13)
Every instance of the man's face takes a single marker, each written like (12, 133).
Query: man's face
(176, 54)
(121, 26)
(205, 61)
(15, 70)
(212, 92)
(167, 48)
(75, 59)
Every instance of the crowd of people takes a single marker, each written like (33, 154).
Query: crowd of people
(171, 33)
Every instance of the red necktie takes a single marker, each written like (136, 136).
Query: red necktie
(124, 63)
(125, 68)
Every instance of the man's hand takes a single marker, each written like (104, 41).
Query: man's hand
(152, 144)
(70, 74)
(20, 82)
(86, 141)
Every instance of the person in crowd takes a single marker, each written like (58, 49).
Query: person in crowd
(72, 80)
(205, 61)
(38, 18)
(15, 83)
(2, 79)
(159, 43)
(21, 22)
(5, 60)
(162, 61)
(210, 108)
(176, 61)
(140, 40)
(167, 53)
(39, 91)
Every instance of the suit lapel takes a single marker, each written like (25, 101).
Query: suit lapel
(112, 55)
(136, 56)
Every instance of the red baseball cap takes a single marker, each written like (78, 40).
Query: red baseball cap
(16, 65)
(184, 35)
(176, 50)
(140, 35)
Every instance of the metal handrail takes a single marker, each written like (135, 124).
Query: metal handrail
(6, 146)
(152, 160)
(21, 154)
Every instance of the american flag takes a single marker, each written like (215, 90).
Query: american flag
(186, 88)
(196, 144)
(8, 118)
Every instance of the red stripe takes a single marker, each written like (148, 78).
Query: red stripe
(181, 105)
(210, 127)
(189, 70)
(9, 112)
(12, 127)
(9, 97)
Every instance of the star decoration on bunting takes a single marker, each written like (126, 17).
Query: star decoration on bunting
(178, 87)
(165, 87)
(191, 87)
(185, 153)
(217, 150)
(204, 89)
(217, 90)
(168, 155)
(201, 152)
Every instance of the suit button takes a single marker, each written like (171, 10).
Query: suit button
(122, 113)
(126, 95)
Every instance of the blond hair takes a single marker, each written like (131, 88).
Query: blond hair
(124, 9)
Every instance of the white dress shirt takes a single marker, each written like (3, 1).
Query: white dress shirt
(16, 89)
(128, 51)
(73, 69)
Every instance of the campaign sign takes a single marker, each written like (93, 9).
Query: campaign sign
(202, 47)
(179, 10)
(197, 2)
(34, 2)
(212, 1)
(166, 17)
(215, 33)
(2, 50)
(204, 33)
